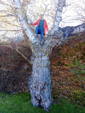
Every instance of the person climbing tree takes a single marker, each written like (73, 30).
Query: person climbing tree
(41, 27)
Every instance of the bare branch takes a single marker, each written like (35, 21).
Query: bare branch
(23, 22)
(11, 30)
(17, 50)
(58, 16)
(23, 56)
(68, 31)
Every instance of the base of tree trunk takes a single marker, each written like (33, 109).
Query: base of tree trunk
(40, 83)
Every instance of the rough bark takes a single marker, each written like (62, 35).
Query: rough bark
(55, 34)
(22, 19)
(40, 79)
(40, 82)
(58, 16)
(69, 31)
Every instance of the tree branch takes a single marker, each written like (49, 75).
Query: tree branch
(58, 16)
(17, 50)
(12, 30)
(23, 56)
(68, 31)
(27, 29)
(55, 35)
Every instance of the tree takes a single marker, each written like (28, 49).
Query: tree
(40, 80)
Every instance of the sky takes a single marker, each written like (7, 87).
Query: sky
(69, 12)
(68, 17)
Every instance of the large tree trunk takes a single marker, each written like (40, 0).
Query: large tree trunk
(40, 82)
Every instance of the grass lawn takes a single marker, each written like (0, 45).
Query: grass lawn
(20, 103)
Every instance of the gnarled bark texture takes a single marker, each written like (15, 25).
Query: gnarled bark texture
(40, 82)
(40, 79)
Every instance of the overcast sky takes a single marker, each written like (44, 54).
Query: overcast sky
(69, 12)
(69, 17)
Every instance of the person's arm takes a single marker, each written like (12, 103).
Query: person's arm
(34, 23)
(46, 26)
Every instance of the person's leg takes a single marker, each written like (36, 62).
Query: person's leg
(42, 34)
(36, 30)
(39, 31)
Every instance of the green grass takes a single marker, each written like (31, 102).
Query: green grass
(20, 103)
